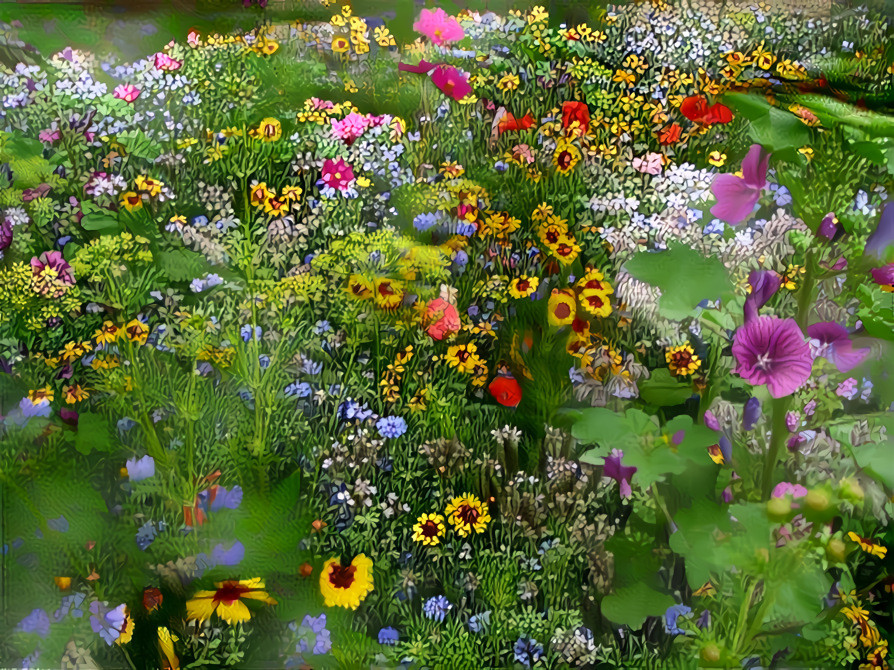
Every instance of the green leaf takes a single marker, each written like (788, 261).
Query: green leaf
(181, 264)
(663, 389)
(99, 222)
(93, 434)
(138, 144)
(877, 460)
(684, 276)
(631, 605)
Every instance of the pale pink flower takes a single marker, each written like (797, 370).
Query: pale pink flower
(648, 164)
(127, 92)
(438, 26)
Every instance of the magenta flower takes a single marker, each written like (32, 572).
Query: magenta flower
(127, 92)
(884, 277)
(620, 473)
(337, 174)
(451, 81)
(737, 196)
(5, 234)
(831, 341)
(438, 26)
(783, 489)
(165, 63)
(764, 284)
(350, 128)
(51, 275)
(772, 351)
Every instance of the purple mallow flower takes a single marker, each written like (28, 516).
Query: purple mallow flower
(772, 351)
(751, 414)
(831, 341)
(620, 473)
(882, 238)
(737, 196)
(764, 284)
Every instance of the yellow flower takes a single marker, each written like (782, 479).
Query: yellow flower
(383, 37)
(340, 44)
(682, 360)
(227, 599)
(45, 394)
(166, 641)
(868, 545)
(147, 185)
(566, 249)
(131, 201)
(523, 286)
(596, 303)
(291, 193)
(125, 633)
(259, 193)
(463, 357)
(466, 514)
(562, 307)
(388, 293)
(428, 529)
(74, 393)
(855, 613)
(269, 130)
(807, 152)
(346, 585)
(137, 331)
(565, 157)
(717, 158)
(508, 82)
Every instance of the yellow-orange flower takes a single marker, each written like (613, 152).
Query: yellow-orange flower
(227, 600)
(346, 585)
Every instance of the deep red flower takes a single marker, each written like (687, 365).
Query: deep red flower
(506, 390)
(509, 122)
(576, 111)
(696, 108)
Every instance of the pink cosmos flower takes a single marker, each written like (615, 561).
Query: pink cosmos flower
(831, 341)
(737, 196)
(337, 174)
(649, 164)
(438, 26)
(51, 275)
(451, 81)
(166, 63)
(127, 92)
(772, 351)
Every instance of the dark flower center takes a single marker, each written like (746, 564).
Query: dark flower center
(562, 311)
(230, 592)
(430, 529)
(468, 514)
(681, 359)
(342, 576)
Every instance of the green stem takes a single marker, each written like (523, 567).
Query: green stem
(777, 434)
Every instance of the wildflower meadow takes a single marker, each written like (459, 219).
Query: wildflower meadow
(403, 335)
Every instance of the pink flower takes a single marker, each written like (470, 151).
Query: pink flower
(451, 81)
(166, 63)
(737, 196)
(772, 351)
(648, 164)
(847, 388)
(783, 489)
(444, 319)
(438, 26)
(884, 276)
(350, 128)
(622, 474)
(127, 92)
(50, 135)
(51, 275)
(831, 341)
(337, 174)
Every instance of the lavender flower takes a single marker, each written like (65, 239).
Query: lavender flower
(831, 341)
(882, 238)
(140, 469)
(36, 622)
(772, 351)
(527, 651)
(751, 414)
(389, 636)
(391, 426)
(436, 608)
(315, 638)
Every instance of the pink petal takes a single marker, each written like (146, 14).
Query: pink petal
(735, 198)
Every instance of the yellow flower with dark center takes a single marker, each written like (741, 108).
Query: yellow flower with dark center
(227, 601)
(508, 82)
(561, 308)
(340, 44)
(137, 331)
(388, 293)
(360, 287)
(715, 454)
(523, 286)
(594, 280)
(682, 361)
(346, 585)
(596, 303)
(717, 158)
(45, 394)
(291, 193)
(125, 633)
(147, 185)
(565, 157)
(276, 207)
(131, 201)
(268, 130)
(467, 514)
(429, 529)
(855, 613)
(74, 393)
(259, 193)
(869, 546)
(566, 250)
(463, 357)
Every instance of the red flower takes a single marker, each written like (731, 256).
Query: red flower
(696, 108)
(509, 122)
(444, 319)
(506, 390)
(576, 111)
(671, 134)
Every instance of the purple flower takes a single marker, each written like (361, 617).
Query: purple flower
(847, 388)
(5, 234)
(315, 638)
(830, 340)
(436, 608)
(527, 651)
(107, 623)
(51, 275)
(140, 469)
(230, 499)
(36, 622)
(772, 351)
(389, 636)
(783, 489)
(883, 276)
(613, 469)
(792, 420)
(726, 448)
(882, 237)
(229, 557)
(828, 226)
(41, 408)
(672, 615)
(764, 284)
(737, 196)
(711, 420)
(751, 414)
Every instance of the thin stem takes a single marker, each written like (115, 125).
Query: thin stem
(777, 434)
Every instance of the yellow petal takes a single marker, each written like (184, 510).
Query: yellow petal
(200, 608)
(236, 612)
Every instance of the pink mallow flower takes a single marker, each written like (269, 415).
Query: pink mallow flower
(438, 26)
(165, 63)
(51, 275)
(127, 92)
(831, 341)
(772, 351)
(337, 174)
(737, 196)
(783, 489)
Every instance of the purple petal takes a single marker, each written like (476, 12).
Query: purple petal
(883, 236)
(754, 167)
(833, 343)
(231, 556)
(735, 198)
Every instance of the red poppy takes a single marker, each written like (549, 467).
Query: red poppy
(509, 122)
(671, 134)
(576, 111)
(506, 390)
(696, 108)
(444, 319)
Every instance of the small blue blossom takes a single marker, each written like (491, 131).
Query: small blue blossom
(389, 636)
(673, 613)
(436, 608)
(391, 426)
(527, 651)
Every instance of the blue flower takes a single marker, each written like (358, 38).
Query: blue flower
(391, 426)
(299, 389)
(673, 613)
(479, 622)
(436, 608)
(315, 638)
(140, 469)
(527, 651)
(246, 331)
(389, 636)
(36, 622)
